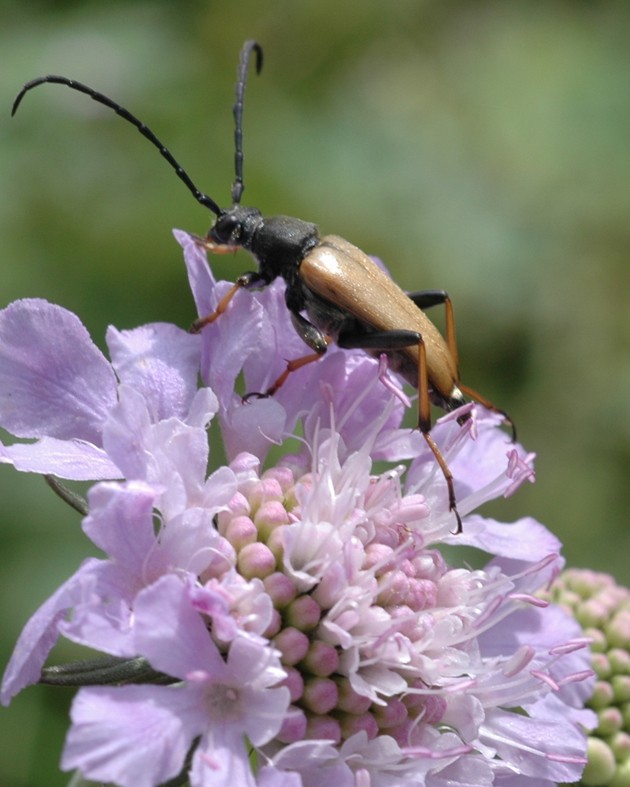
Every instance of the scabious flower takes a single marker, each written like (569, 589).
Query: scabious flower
(301, 619)
(602, 607)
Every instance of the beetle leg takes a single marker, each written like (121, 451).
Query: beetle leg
(310, 335)
(292, 366)
(378, 340)
(424, 299)
(250, 279)
(424, 424)
(477, 397)
(448, 477)
(394, 340)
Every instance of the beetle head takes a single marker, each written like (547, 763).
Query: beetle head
(235, 227)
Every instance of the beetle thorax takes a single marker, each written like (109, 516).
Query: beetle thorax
(279, 245)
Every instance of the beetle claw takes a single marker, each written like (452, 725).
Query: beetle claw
(460, 527)
(254, 395)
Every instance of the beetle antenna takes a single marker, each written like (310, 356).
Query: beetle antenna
(202, 198)
(237, 110)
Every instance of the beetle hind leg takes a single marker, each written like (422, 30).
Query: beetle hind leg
(424, 424)
(477, 397)
(396, 340)
(448, 477)
(425, 299)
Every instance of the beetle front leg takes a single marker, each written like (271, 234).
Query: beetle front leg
(250, 279)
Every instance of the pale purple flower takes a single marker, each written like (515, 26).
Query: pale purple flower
(305, 612)
(56, 386)
(222, 697)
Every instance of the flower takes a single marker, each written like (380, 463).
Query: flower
(602, 607)
(302, 620)
(57, 387)
(223, 697)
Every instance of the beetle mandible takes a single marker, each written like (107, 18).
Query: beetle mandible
(334, 291)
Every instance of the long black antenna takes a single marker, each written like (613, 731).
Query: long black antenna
(204, 199)
(237, 110)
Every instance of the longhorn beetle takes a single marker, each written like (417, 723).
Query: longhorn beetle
(345, 296)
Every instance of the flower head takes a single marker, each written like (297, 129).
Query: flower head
(602, 607)
(305, 610)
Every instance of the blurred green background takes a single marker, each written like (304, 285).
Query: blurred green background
(481, 147)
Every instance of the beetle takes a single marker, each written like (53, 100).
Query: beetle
(334, 291)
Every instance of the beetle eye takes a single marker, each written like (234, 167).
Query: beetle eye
(226, 230)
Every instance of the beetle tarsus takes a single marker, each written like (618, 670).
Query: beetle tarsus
(448, 477)
(255, 395)
(460, 527)
(292, 366)
(200, 323)
(477, 397)
(509, 422)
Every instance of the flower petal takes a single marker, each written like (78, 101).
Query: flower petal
(525, 539)
(221, 760)
(40, 634)
(134, 736)
(171, 633)
(120, 522)
(539, 748)
(75, 460)
(160, 361)
(53, 379)
(253, 427)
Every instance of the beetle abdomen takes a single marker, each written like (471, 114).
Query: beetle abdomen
(353, 284)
